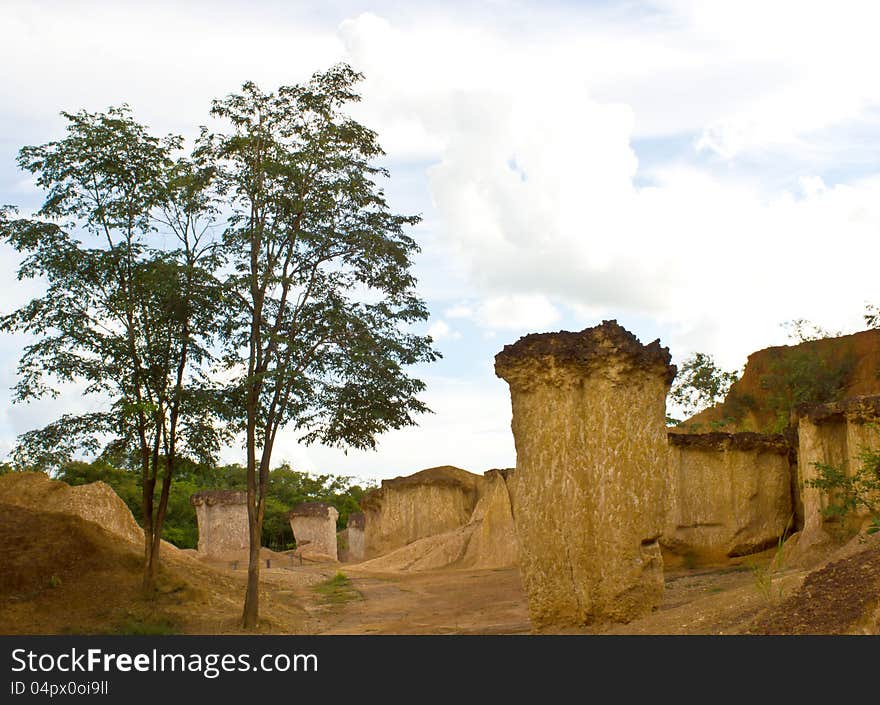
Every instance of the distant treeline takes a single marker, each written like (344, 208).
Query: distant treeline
(287, 487)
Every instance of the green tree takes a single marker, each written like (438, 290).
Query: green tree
(129, 320)
(321, 296)
(699, 384)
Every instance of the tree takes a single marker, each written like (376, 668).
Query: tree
(127, 319)
(800, 330)
(321, 295)
(699, 384)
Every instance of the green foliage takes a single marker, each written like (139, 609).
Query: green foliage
(699, 384)
(287, 487)
(872, 316)
(321, 296)
(123, 313)
(849, 493)
(803, 376)
(337, 590)
(131, 302)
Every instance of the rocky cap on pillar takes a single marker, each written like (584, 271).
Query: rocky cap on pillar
(312, 509)
(534, 358)
(213, 497)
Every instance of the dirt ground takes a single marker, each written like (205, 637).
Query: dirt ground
(722, 600)
(61, 574)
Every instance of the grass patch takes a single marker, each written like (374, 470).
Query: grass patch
(337, 590)
(141, 623)
(145, 626)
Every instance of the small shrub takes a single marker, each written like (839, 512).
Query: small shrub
(766, 574)
(849, 493)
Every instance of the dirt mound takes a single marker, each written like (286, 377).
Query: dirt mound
(61, 574)
(747, 406)
(429, 553)
(843, 597)
(95, 502)
(41, 551)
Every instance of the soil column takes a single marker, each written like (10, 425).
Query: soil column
(589, 492)
(223, 522)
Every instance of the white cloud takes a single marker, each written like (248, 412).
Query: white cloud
(459, 311)
(440, 330)
(517, 312)
(168, 60)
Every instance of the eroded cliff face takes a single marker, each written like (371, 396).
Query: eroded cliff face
(493, 541)
(730, 494)
(406, 509)
(487, 540)
(833, 434)
(589, 492)
(223, 522)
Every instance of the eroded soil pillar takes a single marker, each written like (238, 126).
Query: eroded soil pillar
(314, 528)
(589, 413)
(223, 521)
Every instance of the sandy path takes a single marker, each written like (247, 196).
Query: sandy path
(433, 602)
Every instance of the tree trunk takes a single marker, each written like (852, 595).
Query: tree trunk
(251, 615)
(151, 566)
(148, 584)
(151, 570)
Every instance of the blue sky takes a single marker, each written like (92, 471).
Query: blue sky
(699, 171)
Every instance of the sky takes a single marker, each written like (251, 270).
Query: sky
(699, 171)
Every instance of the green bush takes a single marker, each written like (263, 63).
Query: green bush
(803, 377)
(848, 494)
